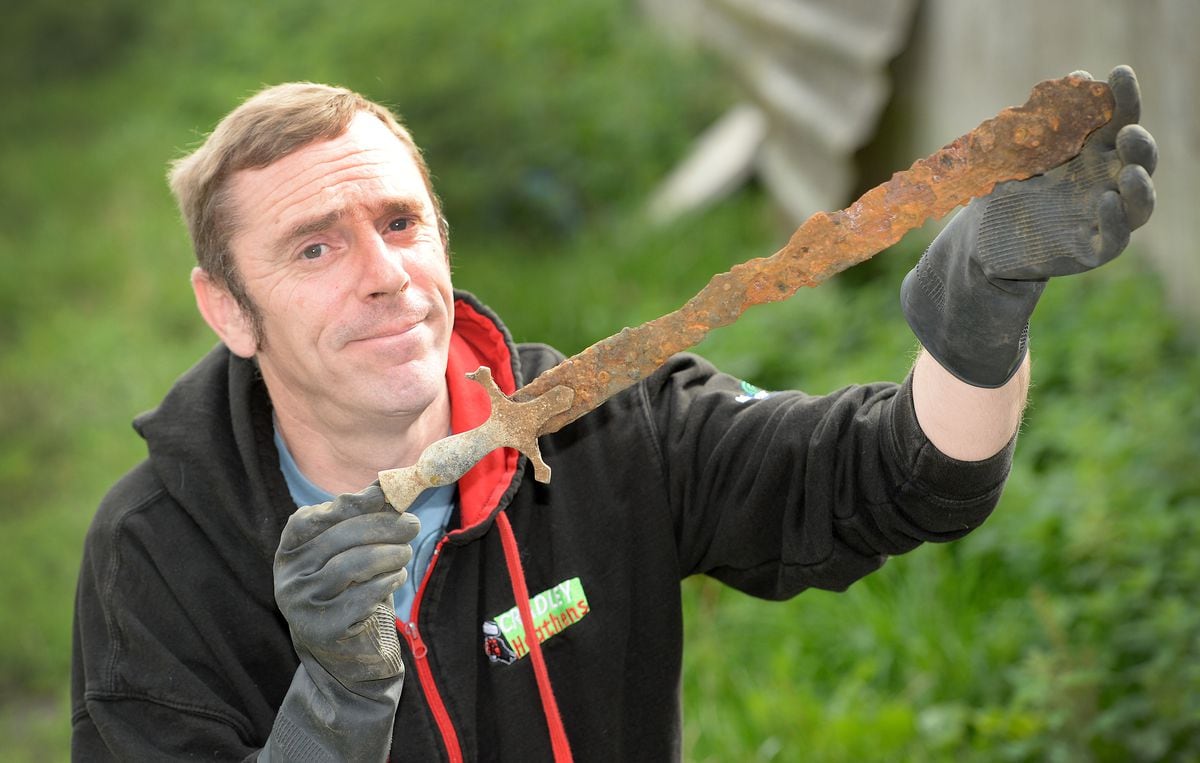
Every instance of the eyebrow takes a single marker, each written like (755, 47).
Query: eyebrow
(308, 227)
(323, 222)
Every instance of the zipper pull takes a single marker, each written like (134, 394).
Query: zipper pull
(419, 649)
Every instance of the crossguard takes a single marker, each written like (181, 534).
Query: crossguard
(510, 424)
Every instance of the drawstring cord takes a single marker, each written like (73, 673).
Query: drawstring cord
(512, 556)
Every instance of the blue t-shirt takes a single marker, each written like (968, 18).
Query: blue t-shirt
(432, 507)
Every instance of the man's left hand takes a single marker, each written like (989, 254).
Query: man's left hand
(970, 297)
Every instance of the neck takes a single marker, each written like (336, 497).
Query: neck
(346, 457)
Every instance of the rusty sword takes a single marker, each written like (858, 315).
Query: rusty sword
(1019, 142)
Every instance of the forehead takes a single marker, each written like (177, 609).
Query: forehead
(366, 165)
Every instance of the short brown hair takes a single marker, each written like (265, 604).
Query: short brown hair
(268, 126)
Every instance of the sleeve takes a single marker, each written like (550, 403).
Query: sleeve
(154, 675)
(773, 493)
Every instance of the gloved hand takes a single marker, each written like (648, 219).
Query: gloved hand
(335, 570)
(970, 297)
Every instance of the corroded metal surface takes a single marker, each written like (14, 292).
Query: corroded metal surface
(1017, 143)
(511, 424)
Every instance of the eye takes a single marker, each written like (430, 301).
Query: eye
(399, 224)
(313, 251)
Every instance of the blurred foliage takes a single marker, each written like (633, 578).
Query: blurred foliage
(1064, 629)
(55, 40)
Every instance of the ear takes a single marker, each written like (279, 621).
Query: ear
(223, 314)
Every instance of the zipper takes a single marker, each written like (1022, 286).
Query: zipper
(420, 651)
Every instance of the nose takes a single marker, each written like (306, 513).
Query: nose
(382, 271)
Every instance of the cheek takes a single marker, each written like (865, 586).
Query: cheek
(304, 311)
(434, 266)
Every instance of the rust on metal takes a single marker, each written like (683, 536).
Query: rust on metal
(1017, 143)
(510, 424)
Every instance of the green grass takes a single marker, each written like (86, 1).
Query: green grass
(1064, 629)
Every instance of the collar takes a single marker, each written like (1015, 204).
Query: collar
(479, 340)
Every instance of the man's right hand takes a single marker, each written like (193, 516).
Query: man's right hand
(336, 568)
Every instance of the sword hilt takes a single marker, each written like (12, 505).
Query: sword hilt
(511, 424)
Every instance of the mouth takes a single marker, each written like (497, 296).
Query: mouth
(386, 328)
(388, 331)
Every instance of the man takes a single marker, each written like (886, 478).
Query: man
(215, 619)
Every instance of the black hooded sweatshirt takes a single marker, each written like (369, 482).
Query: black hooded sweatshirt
(181, 653)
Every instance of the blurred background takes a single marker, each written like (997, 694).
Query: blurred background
(599, 160)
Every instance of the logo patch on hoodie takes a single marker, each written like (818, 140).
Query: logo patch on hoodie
(750, 392)
(554, 610)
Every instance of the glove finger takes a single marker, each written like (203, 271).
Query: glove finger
(1113, 234)
(316, 620)
(366, 573)
(1135, 145)
(358, 567)
(1081, 73)
(311, 558)
(1137, 194)
(344, 615)
(357, 531)
(310, 521)
(1128, 103)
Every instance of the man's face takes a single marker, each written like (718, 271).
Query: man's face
(339, 248)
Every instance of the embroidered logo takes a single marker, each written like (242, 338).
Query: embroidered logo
(554, 610)
(495, 644)
(750, 392)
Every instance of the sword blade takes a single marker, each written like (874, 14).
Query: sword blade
(1019, 142)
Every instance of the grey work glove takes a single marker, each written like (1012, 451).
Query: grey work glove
(970, 297)
(335, 570)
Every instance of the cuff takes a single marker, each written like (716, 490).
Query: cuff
(960, 494)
